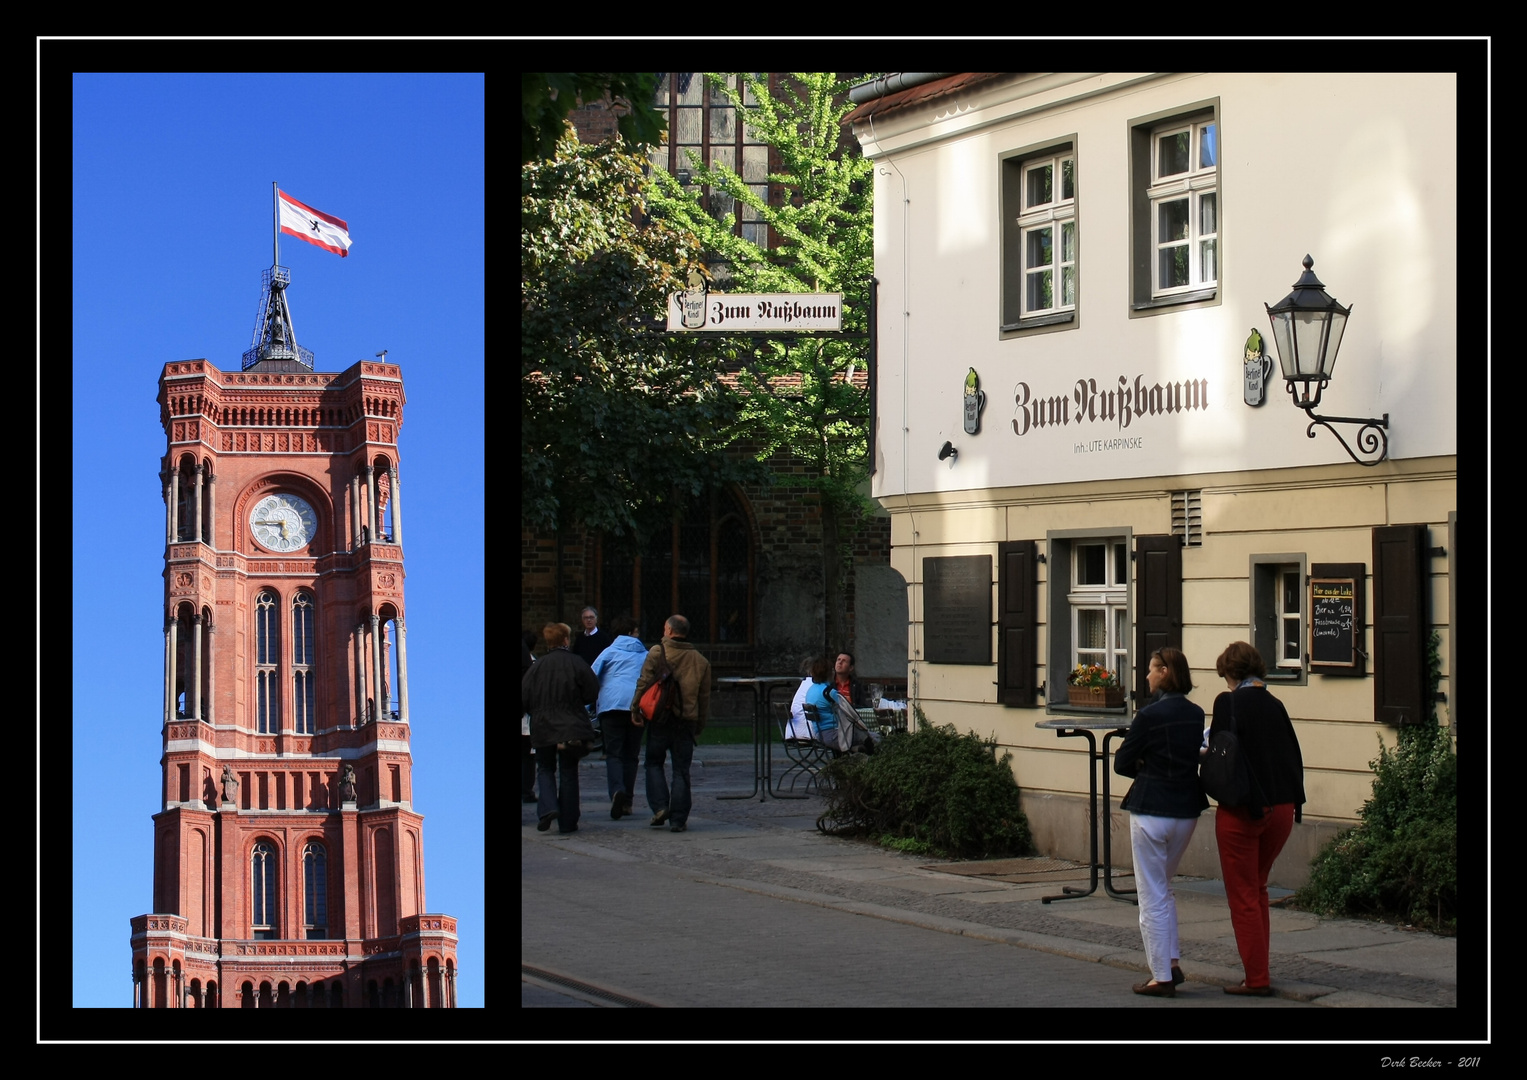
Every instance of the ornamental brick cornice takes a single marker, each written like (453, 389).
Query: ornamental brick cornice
(328, 949)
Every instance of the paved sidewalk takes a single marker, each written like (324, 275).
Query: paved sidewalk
(772, 849)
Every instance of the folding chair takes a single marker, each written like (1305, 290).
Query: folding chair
(807, 756)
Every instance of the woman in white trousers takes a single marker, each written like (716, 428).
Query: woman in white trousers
(1160, 753)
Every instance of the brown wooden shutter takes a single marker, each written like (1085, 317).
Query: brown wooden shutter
(1399, 624)
(1018, 623)
(1158, 603)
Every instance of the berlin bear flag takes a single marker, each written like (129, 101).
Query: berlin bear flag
(314, 226)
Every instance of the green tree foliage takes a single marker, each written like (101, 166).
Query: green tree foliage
(932, 791)
(547, 97)
(616, 420)
(1401, 860)
(799, 399)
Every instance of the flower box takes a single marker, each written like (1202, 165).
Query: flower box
(1096, 697)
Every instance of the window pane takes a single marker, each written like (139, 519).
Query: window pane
(1040, 252)
(1120, 565)
(1206, 261)
(1173, 267)
(721, 129)
(691, 88)
(1091, 565)
(1291, 639)
(686, 130)
(657, 582)
(1208, 217)
(1208, 148)
(1068, 179)
(731, 581)
(755, 163)
(1068, 242)
(1068, 287)
(1041, 291)
(1092, 629)
(1173, 153)
(1172, 220)
(1292, 594)
(694, 569)
(1041, 181)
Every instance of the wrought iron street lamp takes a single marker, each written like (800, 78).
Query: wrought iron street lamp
(1307, 326)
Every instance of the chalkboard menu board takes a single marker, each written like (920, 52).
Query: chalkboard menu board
(1335, 628)
(957, 609)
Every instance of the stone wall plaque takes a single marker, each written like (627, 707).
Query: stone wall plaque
(957, 609)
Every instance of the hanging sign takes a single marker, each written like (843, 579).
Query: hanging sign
(698, 309)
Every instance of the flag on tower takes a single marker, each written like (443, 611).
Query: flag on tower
(314, 226)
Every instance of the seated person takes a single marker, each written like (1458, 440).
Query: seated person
(819, 691)
(799, 727)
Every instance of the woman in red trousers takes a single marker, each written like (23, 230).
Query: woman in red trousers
(1251, 836)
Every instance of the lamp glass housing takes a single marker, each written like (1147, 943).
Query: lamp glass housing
(1307, 327)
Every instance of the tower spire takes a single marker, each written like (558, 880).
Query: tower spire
(274, 345)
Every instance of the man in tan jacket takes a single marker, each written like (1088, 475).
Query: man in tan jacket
(677, 733)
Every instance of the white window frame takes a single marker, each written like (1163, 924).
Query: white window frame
(1273, 627)
(1058, 215)
(1284, 634)
(1111, 596)
(1196, 185)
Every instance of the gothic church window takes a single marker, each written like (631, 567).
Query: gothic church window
(262, 890)
(315, 891)
(700, 567)
(304, 674)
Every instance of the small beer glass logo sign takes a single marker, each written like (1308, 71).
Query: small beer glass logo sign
(692, 302)
(1258, 369)
(975, 401)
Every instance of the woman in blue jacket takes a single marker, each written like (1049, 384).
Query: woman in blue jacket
(618, 667)
(1161, 753)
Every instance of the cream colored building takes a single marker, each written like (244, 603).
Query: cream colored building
(1097, 248)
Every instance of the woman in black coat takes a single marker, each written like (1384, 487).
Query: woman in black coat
(1251, 836)
(1161, 753)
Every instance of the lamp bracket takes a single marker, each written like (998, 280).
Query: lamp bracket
(1372, 438)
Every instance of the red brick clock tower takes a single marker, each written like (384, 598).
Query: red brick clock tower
(288, 853)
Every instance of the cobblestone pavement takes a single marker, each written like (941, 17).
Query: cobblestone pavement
(793, 876)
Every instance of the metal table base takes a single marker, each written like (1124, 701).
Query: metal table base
(763, 733)
(1084, 728)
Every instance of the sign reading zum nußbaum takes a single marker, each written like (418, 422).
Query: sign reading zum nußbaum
(699, 309)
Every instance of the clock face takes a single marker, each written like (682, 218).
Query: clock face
(282, 522)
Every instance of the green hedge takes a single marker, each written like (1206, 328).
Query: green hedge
(1401, 861)
(932, 791)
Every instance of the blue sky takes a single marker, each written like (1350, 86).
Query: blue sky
(172, 179)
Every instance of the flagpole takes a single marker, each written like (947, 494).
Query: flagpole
(275, 224)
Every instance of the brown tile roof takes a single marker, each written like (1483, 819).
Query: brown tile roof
(916, 95)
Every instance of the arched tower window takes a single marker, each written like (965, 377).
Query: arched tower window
(304, 674)
(185, 500)
(262, 890)
(315, 890)
(392, 702)
(267, 660)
